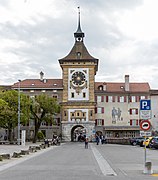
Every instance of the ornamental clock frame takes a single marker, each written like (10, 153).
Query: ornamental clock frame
(78, 84)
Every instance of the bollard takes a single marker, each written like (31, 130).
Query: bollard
(148, 168)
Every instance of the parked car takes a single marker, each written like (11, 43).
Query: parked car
(154, 143)
(147, 141)
(136, 140)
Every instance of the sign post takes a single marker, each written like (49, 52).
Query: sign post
(145, 125)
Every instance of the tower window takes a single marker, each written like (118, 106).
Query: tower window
(84, 95)
(72, 95)
(78, 55)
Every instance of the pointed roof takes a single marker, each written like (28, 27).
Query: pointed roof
(79, 35)
(79, 51)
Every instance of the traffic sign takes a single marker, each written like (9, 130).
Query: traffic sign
(145, 114)
(145, 104)
(145, 125)
(145, 133)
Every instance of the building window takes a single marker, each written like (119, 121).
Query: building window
(72, 95)
(84, 95)
(100, 88)
(99, 122)
(122, 99)
(134, 122)
(43, 90)
(100, 98)
(142, 97)
(64, 113)
(133, 111)
(133, 98)
(110, 98)
(100, 110)
(32, 91)
(91, 113)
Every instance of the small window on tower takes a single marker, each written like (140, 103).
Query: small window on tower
(78, 55)
(72, 95)
(84, 95)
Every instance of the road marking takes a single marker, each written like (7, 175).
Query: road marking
(103, 164)
(154, 174)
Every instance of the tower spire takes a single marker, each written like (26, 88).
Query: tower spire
(79, 35)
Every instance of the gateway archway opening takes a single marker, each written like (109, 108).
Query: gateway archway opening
(78, 133)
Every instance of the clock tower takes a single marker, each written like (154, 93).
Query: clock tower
(78, 103)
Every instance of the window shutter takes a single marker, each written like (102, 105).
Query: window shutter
(102, 122)
(102, 99)
(130, 111)
(136, 111)
(95, 98)
(130, 99)
(106, 98)
(125, 97)
(96, 122)
(137, 122)
(95, 109)
(102, 110)
(130, 122)
(137, 98)
(118, 99)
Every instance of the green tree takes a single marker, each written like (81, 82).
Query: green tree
(43, 108)
(9, 110)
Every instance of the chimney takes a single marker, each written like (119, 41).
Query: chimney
(104, 86)
(126, 82)
(41, 75)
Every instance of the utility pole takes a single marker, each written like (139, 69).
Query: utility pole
(19, 112)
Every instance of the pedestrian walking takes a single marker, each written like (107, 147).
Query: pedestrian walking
(86, 143)
(97, 139)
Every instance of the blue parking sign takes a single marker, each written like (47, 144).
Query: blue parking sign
(145, 104)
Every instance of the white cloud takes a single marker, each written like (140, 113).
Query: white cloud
(123, 34)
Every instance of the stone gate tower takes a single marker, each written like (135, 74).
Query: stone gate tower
(78, 104)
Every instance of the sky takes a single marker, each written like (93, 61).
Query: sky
(122, 34)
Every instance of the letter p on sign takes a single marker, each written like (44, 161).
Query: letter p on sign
(145, 104)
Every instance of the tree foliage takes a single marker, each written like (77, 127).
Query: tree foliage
(42, 108)
(9, 110)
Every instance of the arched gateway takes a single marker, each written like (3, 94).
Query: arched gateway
(78, 103)
(78, 133)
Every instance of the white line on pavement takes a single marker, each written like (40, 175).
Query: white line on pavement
(103, 164)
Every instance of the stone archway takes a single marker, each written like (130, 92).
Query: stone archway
(76, 132)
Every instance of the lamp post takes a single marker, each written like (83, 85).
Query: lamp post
(19, 112)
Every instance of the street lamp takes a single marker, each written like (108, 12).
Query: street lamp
(19, 112)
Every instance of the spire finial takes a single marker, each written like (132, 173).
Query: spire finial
(79, 34)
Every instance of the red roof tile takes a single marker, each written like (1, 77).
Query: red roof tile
(119, 87)
(37, 83)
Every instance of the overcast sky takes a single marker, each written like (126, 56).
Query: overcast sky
(122, 34)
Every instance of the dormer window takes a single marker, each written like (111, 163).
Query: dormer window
(100, 88)
(78, 55)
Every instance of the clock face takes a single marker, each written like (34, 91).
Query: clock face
(78, 78)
